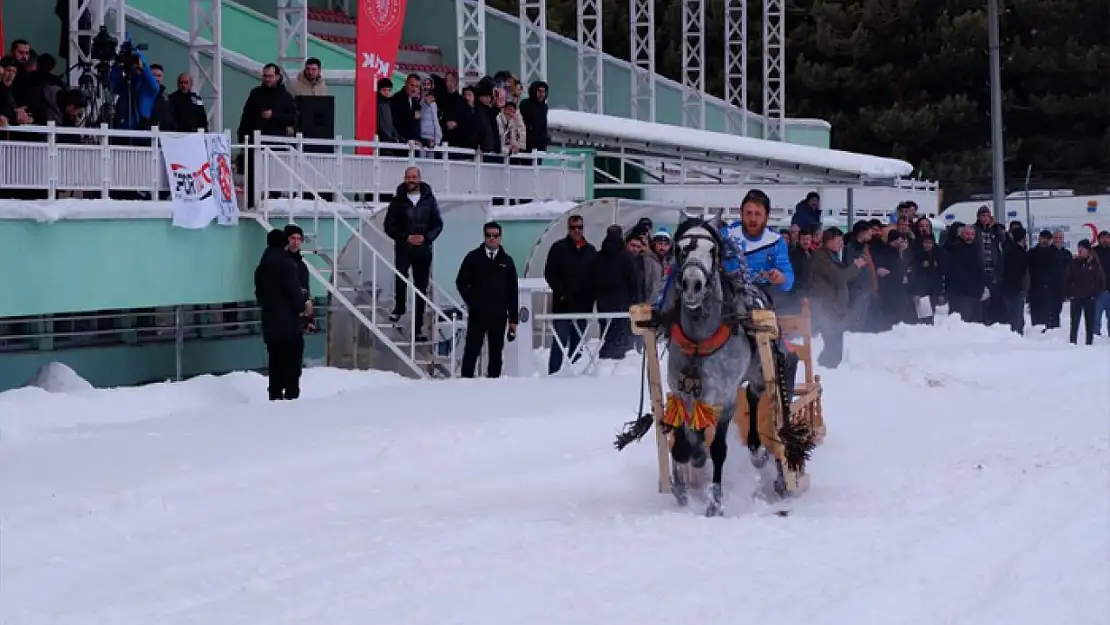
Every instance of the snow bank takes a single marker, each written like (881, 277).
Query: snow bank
(549, 209)
(37, 408)
(605, 126)
(56, 377)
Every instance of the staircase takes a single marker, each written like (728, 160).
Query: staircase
(359, 281)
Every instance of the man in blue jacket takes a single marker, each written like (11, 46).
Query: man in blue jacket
(807, 214)
(135, 88)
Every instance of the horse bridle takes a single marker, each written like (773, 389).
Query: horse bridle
(681, 252)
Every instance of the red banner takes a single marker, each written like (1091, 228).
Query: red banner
(379, 35)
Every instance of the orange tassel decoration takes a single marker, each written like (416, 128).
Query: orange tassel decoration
(675, 414)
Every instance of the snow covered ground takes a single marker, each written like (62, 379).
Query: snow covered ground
(964, 480)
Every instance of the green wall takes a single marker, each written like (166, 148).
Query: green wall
(106, 264)
(127, 365)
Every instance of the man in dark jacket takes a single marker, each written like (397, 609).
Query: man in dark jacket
(615, 285)
(807, 214)
(405, 107)
(270, 110)
(1014, 283)
(534, 111)
(282, 302)
(188, 109)
(487, 284)
(566, 271)
(965, 278)
(989, 238)
(387, 132)
(413, 222)
(1046, 281)
(294, 239)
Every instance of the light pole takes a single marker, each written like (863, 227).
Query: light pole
(998, 172)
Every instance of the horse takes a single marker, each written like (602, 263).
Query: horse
(712, 364)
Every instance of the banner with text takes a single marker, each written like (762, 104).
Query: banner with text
(202, 188)
(379, 36)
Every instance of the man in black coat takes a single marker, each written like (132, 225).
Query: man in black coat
(566, 272)
(1014, 283)
(487, 284)
(965, 279)
(271, 111)
(283, 303)
(413, 221)
(1046, 281)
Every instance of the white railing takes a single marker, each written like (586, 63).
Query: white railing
(345, 208)
(372, 322)
(590, 329)
(65, 160)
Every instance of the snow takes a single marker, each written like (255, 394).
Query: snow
(619, 128)
(547, 209)
(963, 481)
(56, 377)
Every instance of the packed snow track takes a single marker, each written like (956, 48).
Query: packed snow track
(964, 480)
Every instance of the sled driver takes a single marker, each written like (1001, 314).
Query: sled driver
(752, 254)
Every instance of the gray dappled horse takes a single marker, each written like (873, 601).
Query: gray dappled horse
(711, 359)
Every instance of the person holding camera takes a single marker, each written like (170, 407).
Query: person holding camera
(487, 284)
(134, 87)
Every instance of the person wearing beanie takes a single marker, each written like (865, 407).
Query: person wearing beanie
(282, 305)
(1014, 282)
(1084, 280)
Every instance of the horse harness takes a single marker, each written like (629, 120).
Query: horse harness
(689, 379)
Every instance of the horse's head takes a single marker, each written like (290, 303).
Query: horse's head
(698, 253)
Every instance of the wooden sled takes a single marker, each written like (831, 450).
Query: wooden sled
(805, 404)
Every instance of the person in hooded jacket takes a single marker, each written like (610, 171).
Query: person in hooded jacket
(615, 283)
(1083, 281)
(807, 214)
(964, 277)
(534, 111)
(413, 221)
(282, 305)
(487, 284)
(927, 275)
(270, 111)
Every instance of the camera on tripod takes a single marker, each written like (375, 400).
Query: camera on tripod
(108, 52)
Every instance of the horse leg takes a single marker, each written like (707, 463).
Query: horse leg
(680, 455)
(718, 451)
(759, 453)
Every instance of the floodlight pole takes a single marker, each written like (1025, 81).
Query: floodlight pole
(998, 172)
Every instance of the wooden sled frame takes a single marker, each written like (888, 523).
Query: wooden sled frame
(805, 404)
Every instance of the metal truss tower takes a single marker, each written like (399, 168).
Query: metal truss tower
(693, 63)
(292, 17)
(591, 60)
(533, 41)
(736, 66)
(206, 57)
(774, 70)
(470, 24)
(641, 24)
(93, 11)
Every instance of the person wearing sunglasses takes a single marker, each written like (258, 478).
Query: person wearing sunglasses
(487, 283)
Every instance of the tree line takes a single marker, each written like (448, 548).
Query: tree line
(910, 79)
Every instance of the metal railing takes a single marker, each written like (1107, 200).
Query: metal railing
(64, 160)
(173, 324)
(331, 283)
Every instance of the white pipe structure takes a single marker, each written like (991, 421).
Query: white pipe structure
(470, 27)
(206, 57)
(736, 66)
(533, 41)
(292, 17)
(693, 63)
(591, 58)
(641, 24)
(774, 70)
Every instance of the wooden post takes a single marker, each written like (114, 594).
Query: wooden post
(642, 312)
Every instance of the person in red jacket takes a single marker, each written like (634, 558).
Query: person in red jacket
(1084, 280)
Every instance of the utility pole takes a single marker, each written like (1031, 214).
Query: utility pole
(998, 172)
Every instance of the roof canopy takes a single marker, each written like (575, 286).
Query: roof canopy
(746, 158)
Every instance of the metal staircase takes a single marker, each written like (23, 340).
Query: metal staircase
(360, 336)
